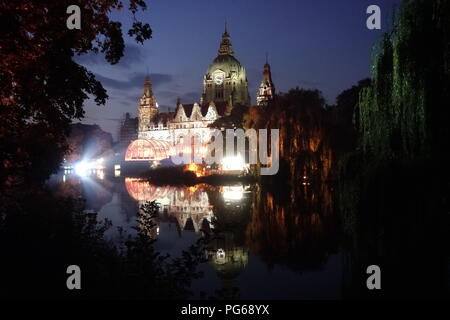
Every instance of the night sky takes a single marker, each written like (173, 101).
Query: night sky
(321, 44)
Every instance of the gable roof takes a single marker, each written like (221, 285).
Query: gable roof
(187, 109)
(221, 107)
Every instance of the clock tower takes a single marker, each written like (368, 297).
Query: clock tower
(148, 107)
(225, 79)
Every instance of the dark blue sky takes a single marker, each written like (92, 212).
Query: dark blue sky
(321, 44)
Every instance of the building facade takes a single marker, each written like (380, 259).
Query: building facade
(225, 86)
(266, 91)
(128, 130)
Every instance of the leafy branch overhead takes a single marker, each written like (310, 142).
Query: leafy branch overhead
(42, 87)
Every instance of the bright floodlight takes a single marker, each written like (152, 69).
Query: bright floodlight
(82, 168)
(233, 163)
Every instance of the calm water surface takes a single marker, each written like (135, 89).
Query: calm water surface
(270, 246)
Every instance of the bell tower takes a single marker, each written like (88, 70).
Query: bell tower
(148, 107)
(266, 89)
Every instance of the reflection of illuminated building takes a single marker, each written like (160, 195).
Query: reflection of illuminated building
(193, 209)
(189, 206)
(233, 193)
(228, 260)
(226, 249)
(142, 190)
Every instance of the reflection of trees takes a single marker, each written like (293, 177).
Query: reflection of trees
(292, 219)
(299, 232)
(71, 188)
(45, 234)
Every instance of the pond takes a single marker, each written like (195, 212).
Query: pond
(271, 246)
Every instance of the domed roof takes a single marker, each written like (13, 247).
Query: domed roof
(225, 79)
(148, 149)
(225, 59)
(226, 63)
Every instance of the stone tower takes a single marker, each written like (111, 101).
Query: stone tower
(266, 89)
(148, 107)
(225, 79)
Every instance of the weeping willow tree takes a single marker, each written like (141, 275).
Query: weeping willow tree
(404, 114)
(402, 117)
(394, 189)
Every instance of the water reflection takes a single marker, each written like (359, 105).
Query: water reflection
(298, 231)
(253, 235)
(187, 206)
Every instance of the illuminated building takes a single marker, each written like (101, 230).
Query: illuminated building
(225, 85)
(226, 79)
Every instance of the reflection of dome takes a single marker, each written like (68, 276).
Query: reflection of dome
(148, 149)
(142, 190)
(227, 258)
(230, 263)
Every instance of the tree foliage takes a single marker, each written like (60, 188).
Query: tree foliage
(42, 234)
(306, 134)
(42, 88)
(403, 113)
(394, 188)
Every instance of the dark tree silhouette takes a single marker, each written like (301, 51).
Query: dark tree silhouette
(394, 195)
(42, 88)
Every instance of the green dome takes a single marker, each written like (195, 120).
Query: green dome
(225, 80)
(226, 63)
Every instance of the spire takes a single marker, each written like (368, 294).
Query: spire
(225, 45)
(148, 87)
(267, 74)
(266, 89)
(148, 107)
